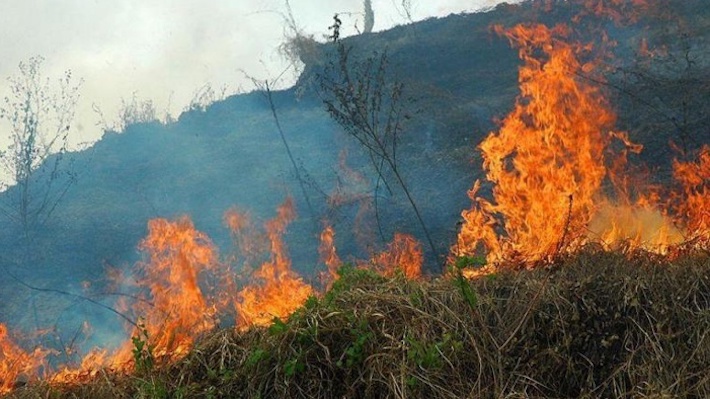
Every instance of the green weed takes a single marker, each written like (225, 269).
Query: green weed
(143, 357)
(430, 356)
(355, 353)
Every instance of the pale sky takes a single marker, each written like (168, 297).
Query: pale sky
(165, 50)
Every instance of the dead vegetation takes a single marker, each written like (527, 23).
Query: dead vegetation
(597, 324)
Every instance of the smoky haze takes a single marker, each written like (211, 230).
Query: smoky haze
(165, 51)
(228, 155)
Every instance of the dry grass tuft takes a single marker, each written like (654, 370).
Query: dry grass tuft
(594, 325)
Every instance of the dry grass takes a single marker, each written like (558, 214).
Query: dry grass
(595, 325)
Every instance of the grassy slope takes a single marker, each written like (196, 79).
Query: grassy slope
(641, 324)
(595, 325)
(231, 153)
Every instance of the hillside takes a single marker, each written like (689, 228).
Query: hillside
(231, 155)
(643, 73)
(596, 325)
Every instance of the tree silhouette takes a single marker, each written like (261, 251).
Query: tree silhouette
(37, 170)
(369, 106)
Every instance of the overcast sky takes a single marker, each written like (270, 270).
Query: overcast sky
(165, 50)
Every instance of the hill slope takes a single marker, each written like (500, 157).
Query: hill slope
(595, 325)
(460, 76)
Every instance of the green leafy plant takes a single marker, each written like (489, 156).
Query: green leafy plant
(412, 381)
(423, 354)
(143, 357)
(417, 297)
(293, 366)
(465, 261)
(354, 354)
(465, 287)
(277, 327)
(153, 389)
(349, 277)
(311, 302)
(431, 355)
(256, 357)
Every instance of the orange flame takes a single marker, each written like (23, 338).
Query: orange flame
(634, 226)
(89, 366)
(16, 362)
(693, 204)
(178, 311)
(548, 165)
(549, 161)
(619, 11)
(280, 290)
(329, 255)
(403, 253)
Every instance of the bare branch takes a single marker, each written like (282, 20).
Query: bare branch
(365, 102)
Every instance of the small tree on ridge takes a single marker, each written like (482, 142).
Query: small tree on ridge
(37, 119)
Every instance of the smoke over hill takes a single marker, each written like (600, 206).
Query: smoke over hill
(240, 201)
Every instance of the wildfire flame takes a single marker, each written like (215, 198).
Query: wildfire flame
(16, 362)
(553, 158)
(547, 162)
(280, 290)
(179, 310)
(173, 312)
(89, 366)
(558, 176)
(403, 253)
(693, 203)
(329, 255)
(619, 11)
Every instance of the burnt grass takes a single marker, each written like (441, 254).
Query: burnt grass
(598, 324)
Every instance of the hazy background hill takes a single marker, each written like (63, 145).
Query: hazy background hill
(460, 77)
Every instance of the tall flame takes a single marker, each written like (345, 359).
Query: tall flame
(178, 311)
(559, 179)
(278, 291)
(329, 255)
(172, 309)
(16, 362)
(556, 168)
(547, 162)
(693, 204)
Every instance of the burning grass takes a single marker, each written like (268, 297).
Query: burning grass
(598, 324)
(613, 321)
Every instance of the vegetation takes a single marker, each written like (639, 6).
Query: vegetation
(368, 104)
(38, 118)
(597, 324)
